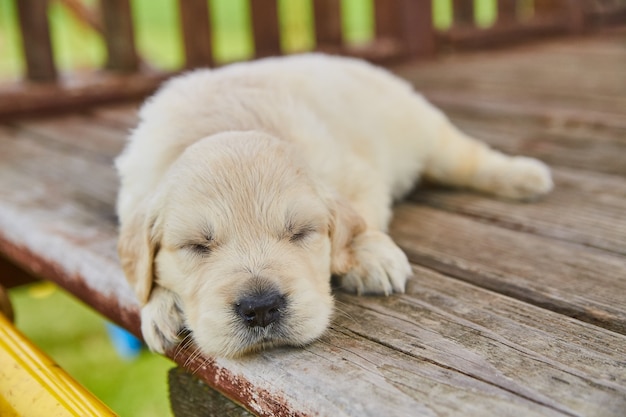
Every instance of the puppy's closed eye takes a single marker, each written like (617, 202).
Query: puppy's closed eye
(202, 247)
(299, 234)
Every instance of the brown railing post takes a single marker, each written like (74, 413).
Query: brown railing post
(327, 14)
(196, 28)
(463, 12)
(548, 7)
(507, 11)
(385, 19)
(35, 31)
(419, 32)
(409, 22)
(119, 35)
(265, 27)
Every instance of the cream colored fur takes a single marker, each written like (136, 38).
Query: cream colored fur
(282, 172)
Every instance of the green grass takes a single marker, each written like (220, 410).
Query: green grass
(76, 338)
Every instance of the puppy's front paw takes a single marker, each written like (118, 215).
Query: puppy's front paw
(380, 266)
(523, 179)
(162, 320)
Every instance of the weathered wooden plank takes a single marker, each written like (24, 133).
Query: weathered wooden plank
(576, 281)
(66, 168)
(192, 397)
(534, 113)
(493, 338)
(513, 75)
(119, 36)
(584, 208)
(265, 27)
(79, 133)
(57, 221)
(121, 116)
(195, 25)
(554, 88)
(562, 139)
(35, 31)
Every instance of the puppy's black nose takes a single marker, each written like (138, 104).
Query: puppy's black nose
(261, 309)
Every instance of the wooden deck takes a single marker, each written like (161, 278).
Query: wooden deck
(514, 310)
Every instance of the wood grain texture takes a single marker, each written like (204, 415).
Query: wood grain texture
(192, 397)
(579, 282)
(596, 221)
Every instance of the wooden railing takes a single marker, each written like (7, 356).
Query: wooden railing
(404, 30)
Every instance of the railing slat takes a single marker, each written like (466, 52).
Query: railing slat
(386, 19)
(327, 22)
(119, 35)
(576, 11)
(572, 12)
(507, 11)
(265, 27)
(543, 7)
(35, 30)
(463, 12)
(409, 22)
(418, 29)
(196, 29)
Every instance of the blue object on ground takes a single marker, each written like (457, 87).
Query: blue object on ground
(126, 345)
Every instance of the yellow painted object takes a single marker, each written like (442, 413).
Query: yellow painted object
(32, 385)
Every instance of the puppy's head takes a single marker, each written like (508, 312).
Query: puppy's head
(247, 239)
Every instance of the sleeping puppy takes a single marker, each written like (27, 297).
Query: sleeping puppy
(245, 188)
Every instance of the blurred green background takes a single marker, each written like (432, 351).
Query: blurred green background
(71, 333)
(77, 46)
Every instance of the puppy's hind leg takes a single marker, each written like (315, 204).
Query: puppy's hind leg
(460, 160)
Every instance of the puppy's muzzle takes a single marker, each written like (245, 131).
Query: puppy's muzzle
(262, 308)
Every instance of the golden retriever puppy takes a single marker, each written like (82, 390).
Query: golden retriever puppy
(244, 188)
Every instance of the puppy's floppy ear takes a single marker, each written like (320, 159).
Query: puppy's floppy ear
(137, 246)
(345, 224)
